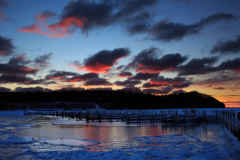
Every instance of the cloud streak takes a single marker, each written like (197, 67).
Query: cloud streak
(198, 66)
(227, 47)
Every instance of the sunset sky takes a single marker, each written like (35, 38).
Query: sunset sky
(156, 46)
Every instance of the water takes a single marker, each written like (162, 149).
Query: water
(43, 137)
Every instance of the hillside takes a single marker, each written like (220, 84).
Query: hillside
(106, 99)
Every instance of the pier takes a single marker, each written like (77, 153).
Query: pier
(230, 117)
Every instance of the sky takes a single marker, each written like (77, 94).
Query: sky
(154, 46)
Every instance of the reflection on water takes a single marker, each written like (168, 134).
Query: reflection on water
(44, 136)
(117, 134)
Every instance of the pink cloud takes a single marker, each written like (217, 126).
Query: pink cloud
(61, 29)
(32, 29)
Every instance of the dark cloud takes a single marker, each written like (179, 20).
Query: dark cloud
(97, 82)
(19, 60)
(180, 91)
(3, 3)
(1, 15)
(43, 60)
(141, 16)
(125, 74)
(104, 13)
(140, 27)
(233, 65)
(212, 19)
(19, 70)
(162, 81)
(166, 31)
(198, 66)
(227, 47)
(32, 89)
(144, 76)
(175, 83)
(140, 23)
(147, 61)
(129, 8)
(6, 46)
(131, 89)
(121, 67)
(23, 79)
(83, 77)
(164, 90)
(3, 89)
(219, 79)
(128, 83)
(100, 89)
(59, 75)
(97, 14)
(102, 61)
(20, 79)
(44, 16)
(70, 76)
(182, 85)
(71, 88)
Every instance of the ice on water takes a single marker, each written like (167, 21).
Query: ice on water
(216, 143)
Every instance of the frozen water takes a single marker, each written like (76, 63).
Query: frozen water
(42, 137)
